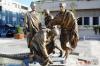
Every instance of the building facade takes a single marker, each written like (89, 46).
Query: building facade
(87, 12)
(11, 13)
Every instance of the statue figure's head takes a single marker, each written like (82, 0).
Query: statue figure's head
(33, 6)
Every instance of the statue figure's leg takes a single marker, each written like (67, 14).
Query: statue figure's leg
(60, 49)
(50, 47)
(73, 41)
(46, 62)
(63, 45)
(64, 39)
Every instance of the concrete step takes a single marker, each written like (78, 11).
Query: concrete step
(57, 65)
(57, 61)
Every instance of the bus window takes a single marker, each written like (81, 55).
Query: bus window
(0, 8)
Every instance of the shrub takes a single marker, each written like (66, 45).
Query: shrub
(19, 30)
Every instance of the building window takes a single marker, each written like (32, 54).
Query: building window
(86, 21)
(80, 21)
(95, 20)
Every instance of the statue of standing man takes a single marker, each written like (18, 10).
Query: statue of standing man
(69, 28)
(32, 24)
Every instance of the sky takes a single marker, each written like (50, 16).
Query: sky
(26, 2)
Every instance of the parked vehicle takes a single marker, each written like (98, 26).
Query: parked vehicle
(10, 33)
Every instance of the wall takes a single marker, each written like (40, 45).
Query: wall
(91, 12)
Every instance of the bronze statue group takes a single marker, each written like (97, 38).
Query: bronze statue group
(40, 39)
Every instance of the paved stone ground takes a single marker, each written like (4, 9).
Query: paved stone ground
(13, 46)
(86, 48)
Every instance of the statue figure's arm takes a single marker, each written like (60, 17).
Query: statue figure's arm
(26, 23)
(55, 21)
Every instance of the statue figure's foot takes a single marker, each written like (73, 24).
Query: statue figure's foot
(68, 51)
